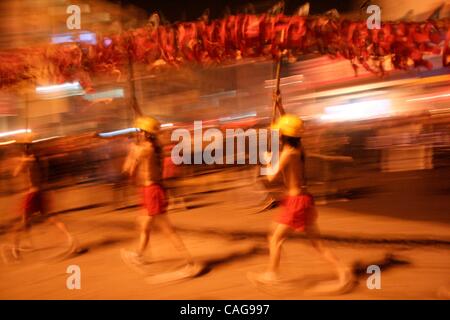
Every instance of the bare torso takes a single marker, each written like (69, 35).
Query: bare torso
(33, 176)
(291, 170)
(149, 166)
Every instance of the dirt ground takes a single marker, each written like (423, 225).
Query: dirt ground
(225, 234)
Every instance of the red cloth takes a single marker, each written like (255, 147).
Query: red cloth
(33, 203)
(169, 168)
(298, 212)
(154, 199)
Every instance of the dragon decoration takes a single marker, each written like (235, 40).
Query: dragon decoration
(396, 45)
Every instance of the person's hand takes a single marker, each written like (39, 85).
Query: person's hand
(267, 156)
(125, 174)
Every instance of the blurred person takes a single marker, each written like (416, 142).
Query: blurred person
(171, 175)
(35, 201)
(144, 161)
(120, 189)
(271, 191)
(111, 171)
(298, 210)
(329, 164)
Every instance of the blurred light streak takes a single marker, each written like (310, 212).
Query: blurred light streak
(10, 133)
(7, 142)
(231, 93)
(238, 117)
(118, 132)
(307, 118)
(115, 93)
(445, 110)
(284, 81)
(357, 111)
(87, 37)
(46, 139)
(166, 125)
(62, 38)
(68, 86)
(429, 98)
(355, 89)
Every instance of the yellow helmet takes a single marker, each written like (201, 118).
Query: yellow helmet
(289, 125)
(148, 124)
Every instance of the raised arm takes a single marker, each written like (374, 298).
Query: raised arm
(132, 160)
(274, 171)
(135, 155)
(23, 163)
(330, 158)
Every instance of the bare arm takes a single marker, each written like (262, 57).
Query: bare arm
(135, 155)
(275, 170)
(331, 158)
(23, 163)
(131, 161)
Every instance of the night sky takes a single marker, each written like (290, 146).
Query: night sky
(176, 10)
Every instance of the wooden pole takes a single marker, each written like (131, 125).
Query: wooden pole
(27, 112)
(133, 103)
(276, 90)
(277, 104)
(133, 100)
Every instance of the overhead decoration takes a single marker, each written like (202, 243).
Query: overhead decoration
(396, 45)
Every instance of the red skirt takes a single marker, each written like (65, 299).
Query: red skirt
(297, 212)
(154, 199)
(33, 203)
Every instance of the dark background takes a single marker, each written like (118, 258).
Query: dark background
(177, 10)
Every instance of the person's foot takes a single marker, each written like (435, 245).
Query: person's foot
(26, 248)
(10, 254)
(345, 276)
(270, 203)
(192, 269)
(73, 246)
(268, 277)
(132, 257)
(15, 252)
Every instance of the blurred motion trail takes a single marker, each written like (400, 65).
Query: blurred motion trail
(412, 254)
(376, 138)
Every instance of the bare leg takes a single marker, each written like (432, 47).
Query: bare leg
(30, 246)
(313, 233)
(167, 228)
(144, 224)
(135, 257)
(276, 240)
(22, 226)
(62, 227)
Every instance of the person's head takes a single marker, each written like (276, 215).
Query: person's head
(25, 141)
(291, 129)
(28, 149)
(293, 142)
(148, 128)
